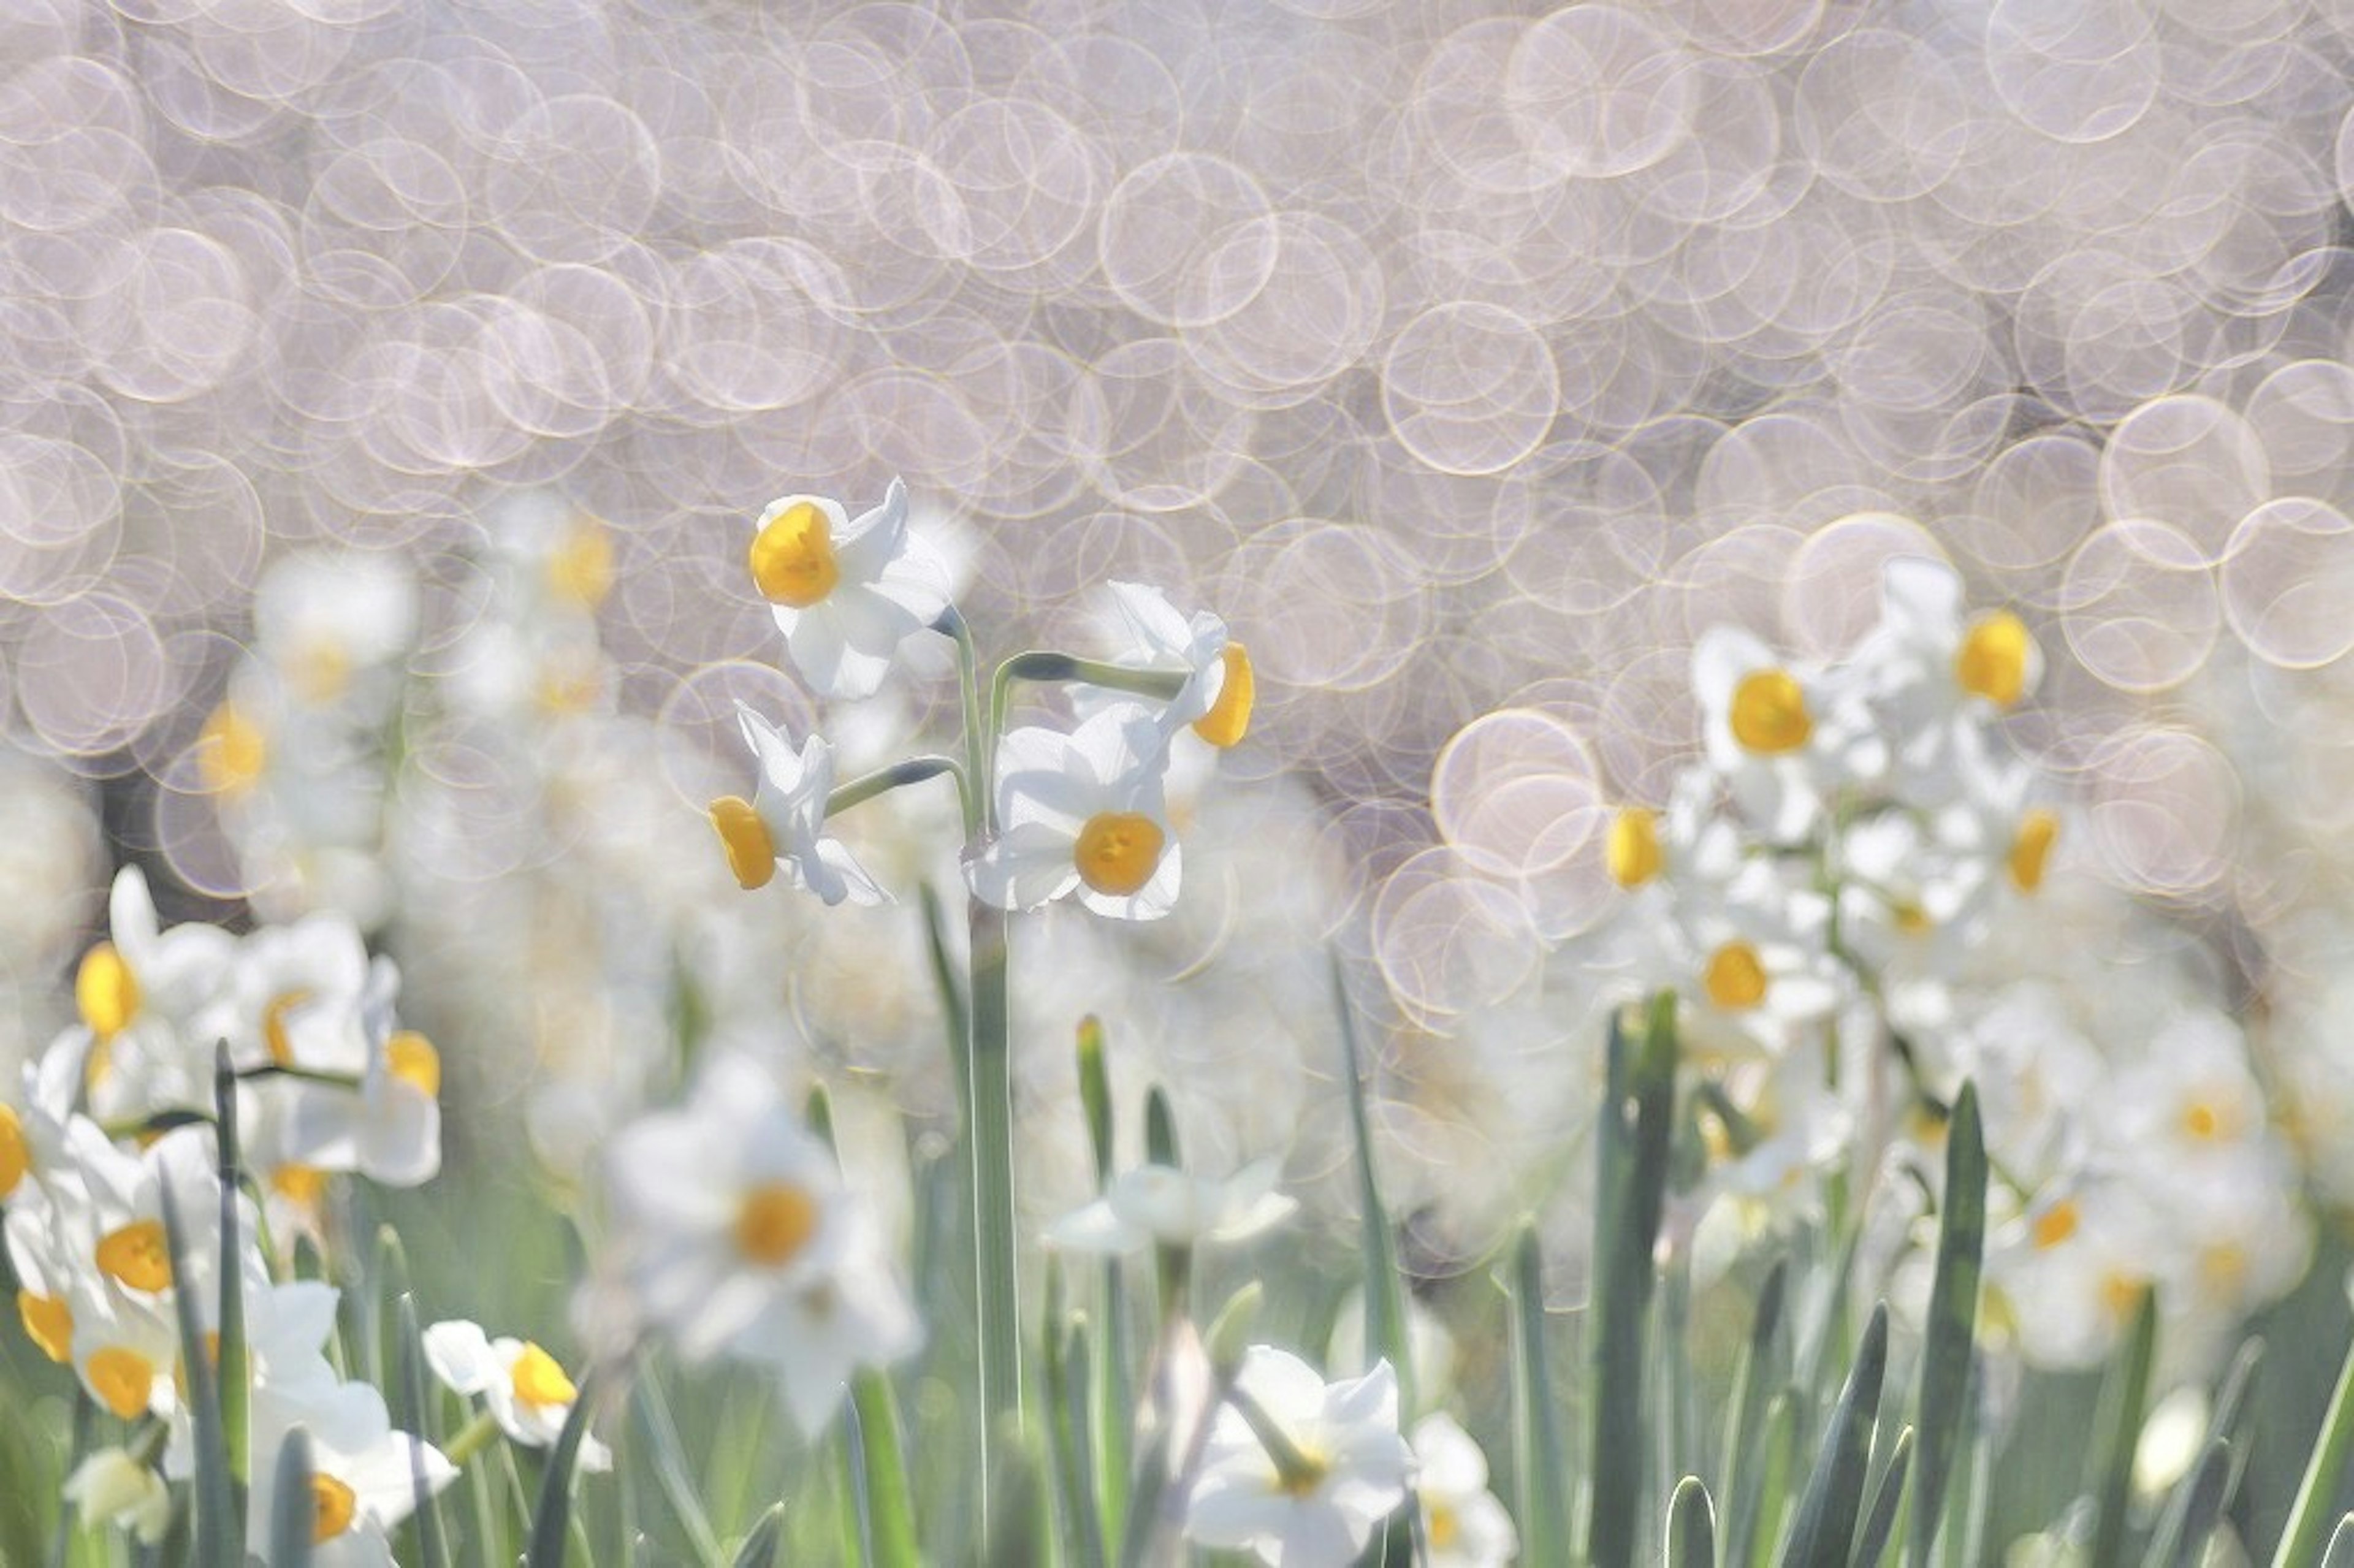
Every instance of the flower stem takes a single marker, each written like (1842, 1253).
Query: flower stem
(471, 1438)
(912, 770)
(1038, 665)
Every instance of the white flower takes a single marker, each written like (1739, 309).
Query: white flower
(784, 822)
(1220, 686)
(325, 621)
(1082, 812)
(735, 1234)
(1782, 736)
(1463, 1525)
(387, 1128)
(1317, 1505)
(846, 593)
(137, 995)
(524, 1388)
(112, 1487)
(1935, 678)
(1158, 1204)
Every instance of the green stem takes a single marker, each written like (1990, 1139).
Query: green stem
(471, 1438)
(1041, 666)
(912, 770)
(891, 1511)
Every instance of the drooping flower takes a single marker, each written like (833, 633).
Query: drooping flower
(847, 591)
(1082, 813)
(1310, 1492)
(1158, 1204)
(525, 1389)
(783, 825)
(1220, 686)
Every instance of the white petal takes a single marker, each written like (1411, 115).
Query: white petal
(460, 1354)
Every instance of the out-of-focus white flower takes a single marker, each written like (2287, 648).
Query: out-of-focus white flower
(138, 994)
(784, 822)
(1782, 737)
(1220, 687)
(324, 620)
(112, 1487)
(2065, 1272)
(1346, 1467)
(847, 591)
(737, 1234)
(1082, 812)
(1463, 1525)
(388, 1127)
(523, 1387)
(1160, 1203)
(1934, 677)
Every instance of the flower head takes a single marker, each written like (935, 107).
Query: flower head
(525, 1389)
(1082, 813)
(1160, 1203)
(1220, 686)
(1310, 1492)
(784, 822)
(846, 591)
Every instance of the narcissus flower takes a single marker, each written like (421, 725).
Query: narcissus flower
(112, 1487)
(525, 1389)
(846, 591)
(1220, 687)
(1304, 1478)
(1463, 1525)
(1782, 737)
(1160, 1203)
(1082, 813)
(783, 825)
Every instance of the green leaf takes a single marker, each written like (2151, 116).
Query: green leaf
(295, 1520)
(432, 1549)
(1094, 1094)
(2341, 1545)
(1633, 1189)
(550, 1520)
(1018, 1529)
(220, 1529)
(1068, 1378)
(2302, 1537)
(2174, 1522)
(1539, 1462)
(1941, 1410)
(1826, 1523)
(233, 1383)
(1880, 1516)
(759, 1548)
(1759, 1363)
(1386, 1310)
(1773, 1490)
(2194, 1509)
(672, 1468)
(1691, 1526)
(882, 1452)
(2125, 1401)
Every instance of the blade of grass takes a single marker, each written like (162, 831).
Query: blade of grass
(1385, 1319)
(1952, 1332)
(883, 1458)
(1773, 1490)
(2125, 1401)
(1540, 1463)
(1068, 1379)
(2173, 1521)
(220, 1532)
(1880, 1516)
(433, 1547)
(233, 1382)
(2301, 1539)
(1691, 1526)
(295, 1517)
(759, 1548)
(1826, 1524)
(672, 1470)
(550, 1520)
(2193, 1512)
(2341, 1545)
(1759, 1363)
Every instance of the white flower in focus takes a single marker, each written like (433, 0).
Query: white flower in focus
(784, 822)
(1462, 1523)
(847, 591)
(112, 1487)
(1158, 1204)
(1317, 1506)
(523, 1387)
(735, 1233)
(1220, 687)
(1082, 812)
(1782, 737)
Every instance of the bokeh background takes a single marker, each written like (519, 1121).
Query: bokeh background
(387, 389)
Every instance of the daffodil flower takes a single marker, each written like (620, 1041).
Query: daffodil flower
(1220, 687)
(783, 825)
(1934, 677)
(1782, 737)
(847, 591)
(1160, 1203)
(524, 1389)
(1463, 1525)
(1082, 813)
(112, 1487)
(1298, 1471)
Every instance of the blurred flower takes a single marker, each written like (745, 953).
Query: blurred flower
(1462, 1523)
(784, 822)
(1306, 1477)
(1082, 812)
(1934, 677)
(110, 1487)
(1158, 1204)
(1782, 736)
(524, 1388)
(846, 593)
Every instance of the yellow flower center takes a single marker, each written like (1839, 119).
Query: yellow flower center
(106, 993)
(1301, 1479)
(1992, 660)
(15, 1155)
(1118, 851)
(48, 1323)
(273, 1025)
(302, 1184)
(410, 1057)
(319, 670)
(1735, 977)
(2031, 848)
(569, 686)
(122, 1380)
(538, 1381)
(751, 853)
(333, 1506)
(774, 1222)
(2055, 1224)
(1443, 1527)
(1229, 717)
(136, 1255)
(792, 557)
(580, 568)
(1912, 920)
(2223, 1267)
(1769, 713)
(1632, 849)
(2205, 1121)
(2121, 1293)
(231, 751)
